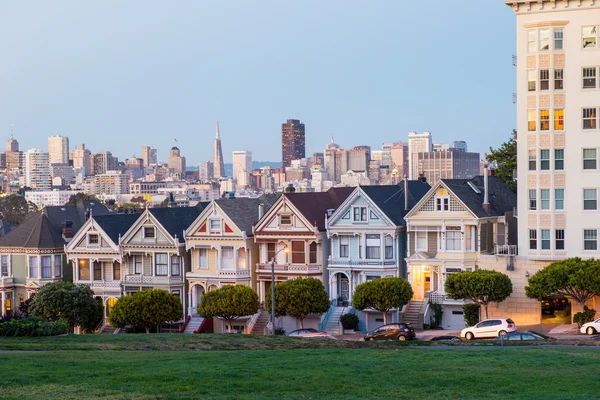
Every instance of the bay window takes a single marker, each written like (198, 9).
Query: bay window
(175, 266)
(4, 264)
(202, 258)
(298, 252)
(46, 267)
(97, 271)
(33, 266)
(57, 266)
(116, 271)
(84, 269)
(453, 240)
(161, 264)
(373, 247)
(227, 261)
(389, 248)
(312, 253)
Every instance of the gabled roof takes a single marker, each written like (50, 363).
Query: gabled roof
(314, 205)
(243, 211)
(390, 198)
(500, 197)
(76, 214)
(115, 225)
(176, 219)
(35, 232)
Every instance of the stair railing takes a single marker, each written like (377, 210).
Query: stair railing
(253, 321)
(325, 319)
(185, 324)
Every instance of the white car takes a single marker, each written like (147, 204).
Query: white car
(591, 327)
(310, 333)
(489, 328)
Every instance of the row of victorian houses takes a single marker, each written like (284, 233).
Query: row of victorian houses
(344, 237)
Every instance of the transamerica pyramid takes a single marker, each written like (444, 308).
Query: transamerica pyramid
(219, 167)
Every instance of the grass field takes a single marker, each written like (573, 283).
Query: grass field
(138, 366)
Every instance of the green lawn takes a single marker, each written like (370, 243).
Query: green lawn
(301, 373)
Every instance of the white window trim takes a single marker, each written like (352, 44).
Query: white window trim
(210, 221)
(89, 234)
(426, 241)
(9, 266)
(144, 232)
(359, 221)
(583, 240)
(287, 215)
(199, 266)
(583, 200)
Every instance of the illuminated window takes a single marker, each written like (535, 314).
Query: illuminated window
(116, 271)
(84, 269)
(545, 120)
(531, 120)
(559, 119)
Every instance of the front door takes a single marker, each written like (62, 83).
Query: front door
(427, 284)
(343, 287)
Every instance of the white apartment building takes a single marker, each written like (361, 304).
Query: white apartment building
(111, 183)
(49, 198)
(58, 149)
(242, 167)
(417, 143)
(37, 170)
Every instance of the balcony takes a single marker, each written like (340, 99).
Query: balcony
(505, 250)
(442, 298)
(6, 281)
(114, 286)
(290, 268)
(345, 262)
(235, 274)
(153, 280)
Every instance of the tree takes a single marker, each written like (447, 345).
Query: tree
(76, 198)
(146, 309)
(505, 158)
(74, 303)
(14, 208)
(382, 294)
(573, 277)
(481, 286)
(229, 302)
(299, 298)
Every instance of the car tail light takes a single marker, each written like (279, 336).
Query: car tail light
(509, 326)
(406, 330)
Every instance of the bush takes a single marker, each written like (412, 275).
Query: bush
(280, 331)
(349, 321)
(33, 327)
(435, 318)
(471, 313)
(584, 317)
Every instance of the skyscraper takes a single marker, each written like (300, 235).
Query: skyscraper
(81, 159)
(149, 155)
(58, 149)
(206, 171)
(292, 141)
(37, 170)
(242, 167)
(417, 143)
(176, 163)
(218, 164)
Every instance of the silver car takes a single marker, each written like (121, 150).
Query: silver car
(489, 328)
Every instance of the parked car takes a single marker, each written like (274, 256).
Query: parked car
(489, 328)
(591, 327)
(310, 332)
(445, 338)
(523, 336)
(396, 331)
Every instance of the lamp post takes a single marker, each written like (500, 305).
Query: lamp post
(285, 249)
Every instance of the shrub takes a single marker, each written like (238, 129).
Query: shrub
(435, 318)
(280, 331)
(349, 321)
(33, 327)
(471, 313)
(584, 317)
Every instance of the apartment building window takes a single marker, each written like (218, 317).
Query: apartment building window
(589, 158)
(271, 250)
(373, 247)
(559, 119)
(545, 233)
(360, 214)
(4, 264)
(532, 239)
(558, 38)
(544, 199)
(545, 160)
(559, 239)
(558, 79)
(544, 79)
(175, 266)
(531, 78)
(589, 34)
(149, 232)
(532, 160)
(46, 267)
(344, 246)
(545, 120)
(84, 269)
(203, 258)
(312, 253)
(531, 48)
(544, 39)
(531, 120)
(590, 199)
(137, 265)
(532, 199)
(57, 266)
(161, 264)
(389, 248)
(227, 261)
(559, 199)
(590, 239)
(116, 272)
(33, 266)
(298, 255)
(559, 159)
(589, 77)
(589, 118)
(421, 241)
(453, 240)
(97, 271)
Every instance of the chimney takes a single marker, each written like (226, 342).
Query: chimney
(405, 193)
(422, 178)
(261, 210)
(486, 203)
(67, 229)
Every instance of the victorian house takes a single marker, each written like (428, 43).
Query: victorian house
(368, 241)
(453, 225)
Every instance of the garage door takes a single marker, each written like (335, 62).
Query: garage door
(454, 320)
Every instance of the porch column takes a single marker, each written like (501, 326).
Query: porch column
(218, 249)
(463, 237)
(191, 297)
(3, 303)
(236, 249)
(381, 246)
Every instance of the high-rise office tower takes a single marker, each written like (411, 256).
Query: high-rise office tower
(218, 163)
(37, 170)
(81, 159)
(149, 155)
(417, 143)
(242, 167)
(292, 141)
(176, 163)
(103, 162)
(206, 171)
(58, 149)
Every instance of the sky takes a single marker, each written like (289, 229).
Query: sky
(117, 75)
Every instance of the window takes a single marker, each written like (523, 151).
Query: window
(442, 203)
(149, 232)
(389, 248)
(469, 238)
(360, 214)
(559, 242)
(271, 249)
(33, 267)
(285, 219)
(532, 160)
(559, 159)
(227, 261)
(544, 199)
(116, 271)
(214, 225)
(544, 79)
(312, 253)
(298, 255)
(161, 264)
(545, 239)
(97, 271)
(589, 199)
(531, 120)
(589, 37)
(175, 266)
(558, 79)
(589, 77)
(344, 245)
(589, 158)
(590, 239)
(137, 265)
(46, 267)
(558, 38)
(531, 41)
(453, 240)
(544, 39)
(4, 263)
(421, 243)
(373, 247)
(589, 118)
(532, 239)
(532, 199)
(545, 160)
(559, 199)
(93, 239)
(559, 119)
(203, 258)
(531, 78)
(544, 120)
(84, 270)
(57, 266)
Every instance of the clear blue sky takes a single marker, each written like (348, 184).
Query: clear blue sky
(116, 75)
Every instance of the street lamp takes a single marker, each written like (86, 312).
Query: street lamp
(286, 251)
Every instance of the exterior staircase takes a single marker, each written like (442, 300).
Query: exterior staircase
(107, 329)
(261, 323)
(193, 325)
(332, 325)
(414, 313)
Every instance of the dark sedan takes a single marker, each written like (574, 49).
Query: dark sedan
(397, 331)
(524, 336)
